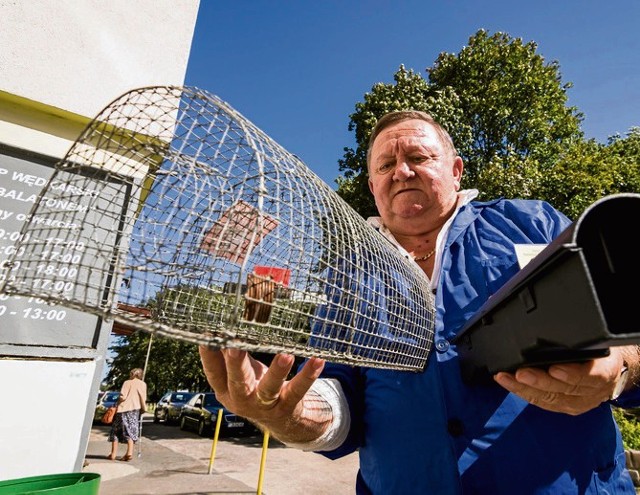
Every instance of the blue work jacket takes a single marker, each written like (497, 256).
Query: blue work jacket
(431, 433)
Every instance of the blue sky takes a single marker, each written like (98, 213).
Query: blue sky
(297, 68)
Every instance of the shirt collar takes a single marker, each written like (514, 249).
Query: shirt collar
(465, 196)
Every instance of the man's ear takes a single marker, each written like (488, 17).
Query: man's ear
(458, 168)
(370, 185)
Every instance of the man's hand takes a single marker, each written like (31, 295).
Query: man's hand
(264, 395)
(571, 388)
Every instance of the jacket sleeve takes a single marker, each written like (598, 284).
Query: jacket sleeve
(351, 380)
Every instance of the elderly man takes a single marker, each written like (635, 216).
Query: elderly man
(533, 431)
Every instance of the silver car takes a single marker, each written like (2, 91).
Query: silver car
(169, 407)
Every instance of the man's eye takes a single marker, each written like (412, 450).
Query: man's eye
(385, 167)
(419, 159)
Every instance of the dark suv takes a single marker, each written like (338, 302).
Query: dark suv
(201, 414)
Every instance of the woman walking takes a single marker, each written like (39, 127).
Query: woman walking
(131, 406)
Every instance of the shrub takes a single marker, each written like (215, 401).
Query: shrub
(629, 427)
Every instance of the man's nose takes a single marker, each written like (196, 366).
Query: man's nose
(403, 171)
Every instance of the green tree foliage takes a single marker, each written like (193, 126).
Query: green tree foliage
(588, 171)
(629, 427)
(514, 102)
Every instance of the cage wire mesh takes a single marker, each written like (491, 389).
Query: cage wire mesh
(175, 215)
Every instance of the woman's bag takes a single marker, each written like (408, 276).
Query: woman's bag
(107, 419)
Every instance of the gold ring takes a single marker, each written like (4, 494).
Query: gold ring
(266, 403)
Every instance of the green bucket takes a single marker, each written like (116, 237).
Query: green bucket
(58, 484)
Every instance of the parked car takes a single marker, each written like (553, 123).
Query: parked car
(169, 407)
(108, 399)
(200, 413)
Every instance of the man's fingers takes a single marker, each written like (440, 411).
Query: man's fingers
(301, 383)
(240, 373)
(214, 367)
(270, 386)
(248, 387)
(569, 388)
(274, 387)
(568, 380)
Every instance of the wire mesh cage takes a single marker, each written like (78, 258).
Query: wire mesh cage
(175, 215)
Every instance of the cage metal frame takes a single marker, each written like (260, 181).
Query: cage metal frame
(174, 204)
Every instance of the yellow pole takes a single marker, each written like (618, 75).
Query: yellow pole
(214, 444)
(265, 446)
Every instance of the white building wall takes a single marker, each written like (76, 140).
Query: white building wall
(33, 442)
(61, 62)
(79, 55)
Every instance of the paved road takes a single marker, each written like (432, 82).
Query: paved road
(177, 462)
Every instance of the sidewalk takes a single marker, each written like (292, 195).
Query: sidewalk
(174, 462)
(158, 470)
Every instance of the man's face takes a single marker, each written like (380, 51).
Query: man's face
(413, 177)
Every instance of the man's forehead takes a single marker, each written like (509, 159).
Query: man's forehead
(414, 125)
(412, 133)
(403, 141)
